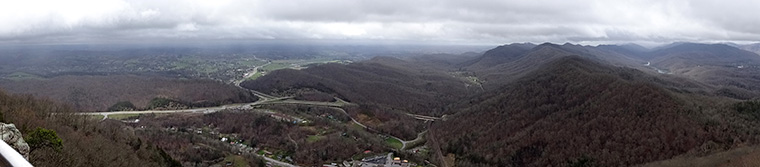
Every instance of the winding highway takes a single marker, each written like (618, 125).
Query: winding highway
(269, 99)
(262, 100)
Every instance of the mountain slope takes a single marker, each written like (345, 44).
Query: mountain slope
(692, 54)
(85, 141)
(755, 47)
(499, 55)
(506, 63)
(574, 109)
(385, 88)
(385, 81)
(633, 51)
(735, 73)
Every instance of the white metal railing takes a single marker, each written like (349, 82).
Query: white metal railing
(11, 157)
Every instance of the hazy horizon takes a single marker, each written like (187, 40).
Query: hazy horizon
(484, 22)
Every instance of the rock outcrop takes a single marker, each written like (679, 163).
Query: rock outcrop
(14, 138)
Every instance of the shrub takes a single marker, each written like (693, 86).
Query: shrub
(41, 137)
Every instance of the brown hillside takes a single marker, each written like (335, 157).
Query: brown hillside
(384, 81)
(574, 110)
(85, 141)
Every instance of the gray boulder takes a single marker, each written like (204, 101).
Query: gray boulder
(14, 138)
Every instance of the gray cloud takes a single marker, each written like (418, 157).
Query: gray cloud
(474, 21)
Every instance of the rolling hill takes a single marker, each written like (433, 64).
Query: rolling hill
(554, 105)
(558, 105)
(385, 88)
(733, 72)
(384, 81)
(82, 141)
(506, 63)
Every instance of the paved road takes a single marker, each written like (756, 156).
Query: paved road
(265, 99)
(269, 99)
(352, 119)
(274, 100)
(424, 117)
(197, 110)
(276, 162)
(316, 103)
(389, 161)
(403, 143)
(418, 139)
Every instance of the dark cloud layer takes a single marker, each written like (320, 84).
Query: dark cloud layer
(473, 21)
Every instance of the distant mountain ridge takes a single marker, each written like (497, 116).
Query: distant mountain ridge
(753, 47)
(728, 69)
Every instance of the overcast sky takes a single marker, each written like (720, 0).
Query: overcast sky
(454, 21)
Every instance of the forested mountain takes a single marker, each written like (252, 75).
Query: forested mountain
(499, 55)
(554, 105)
(506, 63)
(384, 81)
(734, 73)
(719, 68)
(755, 47)
(692, 54)
(386, 89)
(632, 50)
(514, 105)
(576, 109)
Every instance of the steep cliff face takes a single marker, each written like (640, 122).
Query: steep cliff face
(13, 137)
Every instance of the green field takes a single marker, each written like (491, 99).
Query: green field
(122, 116)
(394, 143)
(98, 117)
(257, 75)
(314, 138)
(251, 63)
(282, 64)
(237, 161)
(276, 65)
(261, 152)
(18, 76)
(180, 65)
(355, 126)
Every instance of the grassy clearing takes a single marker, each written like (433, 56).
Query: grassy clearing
(122, 116)
(19, 76)
(314, 138)
(261, 152)
(394, 143)
(161, 115)
(251, 63)
(180, 65)
(236, 160)
(355, 126)
(415, 143)
(97, 117)
(257, 75)
(282, 64)
(276, 66)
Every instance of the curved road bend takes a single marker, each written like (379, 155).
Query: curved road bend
(403, 142)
